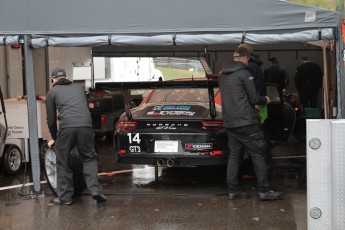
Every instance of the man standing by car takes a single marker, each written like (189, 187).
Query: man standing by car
(240, 117)
(275, 74)
(308, 80)
(66, 103)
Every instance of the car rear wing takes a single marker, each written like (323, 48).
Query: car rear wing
(151, 85)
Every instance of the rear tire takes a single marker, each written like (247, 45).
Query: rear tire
(49, 168)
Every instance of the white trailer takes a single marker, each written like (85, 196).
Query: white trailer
(14, 148)
(117, 69)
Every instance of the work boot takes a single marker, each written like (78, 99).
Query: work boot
(237, 195)
(270, 195)
(56, 200)
(100, 198)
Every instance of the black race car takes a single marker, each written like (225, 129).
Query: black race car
(179, 123)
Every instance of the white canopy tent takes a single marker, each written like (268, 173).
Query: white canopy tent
(161, 24)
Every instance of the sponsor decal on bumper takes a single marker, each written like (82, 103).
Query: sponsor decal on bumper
(198, 146)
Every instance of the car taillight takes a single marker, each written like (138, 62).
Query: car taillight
(126, 125)
(102, 120)
(212, 125)
(99, 93)
(122, 151)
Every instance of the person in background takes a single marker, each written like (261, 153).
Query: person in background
(275, 74)
(254, 65)
(308, 80)
(239, 97)
(66, 103)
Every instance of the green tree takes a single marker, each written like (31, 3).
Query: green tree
(341, 7)
(338, 5)
(326, 4)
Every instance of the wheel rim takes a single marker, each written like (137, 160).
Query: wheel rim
(14, 159)
(50, 167)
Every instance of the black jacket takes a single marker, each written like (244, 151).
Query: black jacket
(69, 100)
(277, 76)
(239, 95)
(308, 77)
(254, 65)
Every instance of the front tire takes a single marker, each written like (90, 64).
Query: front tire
(12, 160)
(49, 159)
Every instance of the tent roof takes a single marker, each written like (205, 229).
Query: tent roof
(160, 19)
(159, 16)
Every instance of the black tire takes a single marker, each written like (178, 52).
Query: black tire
(12, 160)
(300, 130)
(76, 164)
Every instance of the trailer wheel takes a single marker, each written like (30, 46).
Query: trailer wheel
(76, 164)
(12, 160)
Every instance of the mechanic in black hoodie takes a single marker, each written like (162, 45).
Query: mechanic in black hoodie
(239, 97)
(254, 65)
(66, 104)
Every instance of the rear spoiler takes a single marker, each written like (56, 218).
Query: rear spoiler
(127, 86)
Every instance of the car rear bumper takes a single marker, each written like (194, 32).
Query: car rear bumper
(172, 160)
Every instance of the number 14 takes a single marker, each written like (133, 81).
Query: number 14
(136, 138)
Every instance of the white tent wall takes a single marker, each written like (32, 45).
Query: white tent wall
(14, 72)
(11, 72)
(68, 57)
(40, 71)
(3, 71)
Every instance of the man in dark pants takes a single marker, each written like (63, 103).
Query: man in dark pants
(75, 129)
(240, 117)
(254, 65)
(308, 80)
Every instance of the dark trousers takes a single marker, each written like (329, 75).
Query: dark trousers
(67, 139)
(254, 141)
(308, 98)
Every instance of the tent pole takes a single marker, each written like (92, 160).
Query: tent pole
(32, 113)
(325, 81)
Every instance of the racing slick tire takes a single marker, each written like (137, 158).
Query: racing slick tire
(48, 158)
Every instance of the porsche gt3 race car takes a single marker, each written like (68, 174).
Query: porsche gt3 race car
(179, 123)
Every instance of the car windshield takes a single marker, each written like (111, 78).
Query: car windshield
(179, 95)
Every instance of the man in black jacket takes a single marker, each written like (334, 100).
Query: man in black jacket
(254, 65)
(66, 103)
(275, 74)
(308, 80)
(240, 117)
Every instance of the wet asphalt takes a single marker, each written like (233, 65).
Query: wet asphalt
(181, 198)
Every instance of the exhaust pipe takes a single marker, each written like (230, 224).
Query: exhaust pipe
(160, 162)
(170, 163)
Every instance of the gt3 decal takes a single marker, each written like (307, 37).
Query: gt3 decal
(134, 149)
(198, 146)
